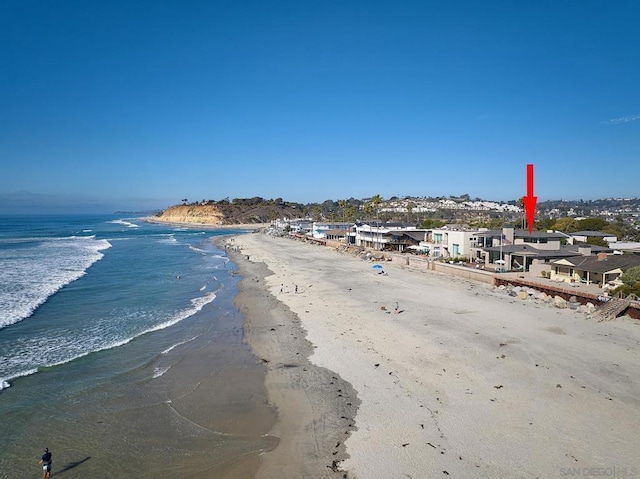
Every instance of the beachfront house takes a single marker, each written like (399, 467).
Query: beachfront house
(298, 225)
(388, 236)
(322, 230)
(602, 269)
(511, 249)
(340, 235)
(449, 242)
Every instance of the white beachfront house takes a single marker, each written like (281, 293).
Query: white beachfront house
(390, 236)
(297, 225)
(449, 242)
(319, 229)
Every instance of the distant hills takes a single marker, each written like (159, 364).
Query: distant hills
(412, 209)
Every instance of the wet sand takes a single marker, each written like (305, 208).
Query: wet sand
(198, 409)
(315, 407)
(462, 382)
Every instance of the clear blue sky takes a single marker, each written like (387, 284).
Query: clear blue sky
(136, 104)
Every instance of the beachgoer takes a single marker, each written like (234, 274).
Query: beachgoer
(296, 289)
(396, 309)
(45, 460)
(281, 288)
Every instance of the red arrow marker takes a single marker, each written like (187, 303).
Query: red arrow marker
(530, 200)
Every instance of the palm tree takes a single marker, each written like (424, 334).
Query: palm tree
(343, 206)
(520, 203)
(375, 201)
(410, 206)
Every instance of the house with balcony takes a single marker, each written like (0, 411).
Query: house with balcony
(388, 236)
(319, 229)
(449, 242)
(341, 235)
(511, 249)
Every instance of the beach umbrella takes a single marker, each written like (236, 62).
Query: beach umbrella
(377, 266)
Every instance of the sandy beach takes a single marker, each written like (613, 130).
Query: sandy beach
(200, 224)
(461, 382)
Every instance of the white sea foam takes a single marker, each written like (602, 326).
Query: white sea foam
(50, 351)
(5, 381)
(125, 223)
(171, 348)
(169, 240)
(197, 250)
(196, 305)
(30, 275)
(157, 372)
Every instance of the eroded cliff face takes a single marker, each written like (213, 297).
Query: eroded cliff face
(247, 211)
(193, 214)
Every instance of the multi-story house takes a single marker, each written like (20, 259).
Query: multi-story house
(388, 236)
(517, 249)
(449, 242)
(319, 229)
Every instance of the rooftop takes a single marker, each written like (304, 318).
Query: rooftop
(599, 234)
(603, 265)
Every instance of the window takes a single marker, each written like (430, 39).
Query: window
(456, 249)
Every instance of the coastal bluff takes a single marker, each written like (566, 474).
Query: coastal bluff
(192, 214)
(250, 211)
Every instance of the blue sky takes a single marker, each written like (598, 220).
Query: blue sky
(138, 104)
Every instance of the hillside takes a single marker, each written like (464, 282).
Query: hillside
(240, 211)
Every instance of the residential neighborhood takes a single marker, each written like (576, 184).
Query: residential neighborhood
(553, 255)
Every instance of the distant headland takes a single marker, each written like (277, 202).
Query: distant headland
(240, 211)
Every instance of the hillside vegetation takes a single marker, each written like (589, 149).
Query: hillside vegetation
(225, 212)
(614, 216)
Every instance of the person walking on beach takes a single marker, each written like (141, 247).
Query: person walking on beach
(45, 460)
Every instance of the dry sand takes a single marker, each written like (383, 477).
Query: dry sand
(463, 382)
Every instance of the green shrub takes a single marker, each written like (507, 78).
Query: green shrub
(631, 277)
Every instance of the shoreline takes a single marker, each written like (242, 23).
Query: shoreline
(315, 408)
(463, 381)
(181, 224)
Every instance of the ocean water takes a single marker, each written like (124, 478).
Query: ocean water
(121, 350)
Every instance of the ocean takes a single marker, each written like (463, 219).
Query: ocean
(121, 351)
